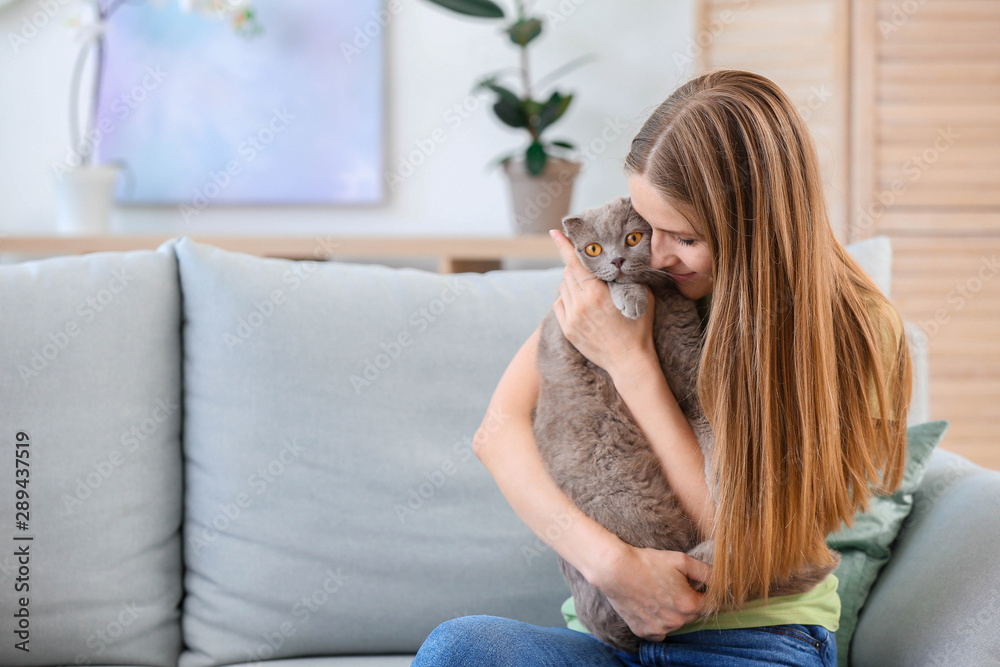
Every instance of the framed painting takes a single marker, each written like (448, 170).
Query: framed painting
(201, 114)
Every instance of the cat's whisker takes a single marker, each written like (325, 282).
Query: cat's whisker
(649, 274)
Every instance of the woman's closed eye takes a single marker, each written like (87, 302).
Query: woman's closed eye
(684, 241)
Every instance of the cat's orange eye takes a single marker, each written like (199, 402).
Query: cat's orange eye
(593, 250)
(633, 238)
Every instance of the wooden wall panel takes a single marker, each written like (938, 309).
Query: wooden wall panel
(909, 143)
(801, 46)
(950, 287)
(927, 173)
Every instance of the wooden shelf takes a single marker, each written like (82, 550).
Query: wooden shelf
(454, 254)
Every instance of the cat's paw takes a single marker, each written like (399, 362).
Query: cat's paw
(634, 309)
(631, 299)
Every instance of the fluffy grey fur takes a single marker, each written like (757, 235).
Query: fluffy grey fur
(587, 438)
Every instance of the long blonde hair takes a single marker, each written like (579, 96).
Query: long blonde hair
(795, 347)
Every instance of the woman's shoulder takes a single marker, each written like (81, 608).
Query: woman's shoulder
(889, 324)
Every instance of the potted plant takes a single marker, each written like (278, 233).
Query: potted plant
(541, 175)
(85, 190)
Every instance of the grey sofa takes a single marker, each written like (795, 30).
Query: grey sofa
(223, 459)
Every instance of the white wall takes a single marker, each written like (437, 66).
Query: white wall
(432, 58)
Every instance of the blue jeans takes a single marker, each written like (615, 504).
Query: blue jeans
(492, 641)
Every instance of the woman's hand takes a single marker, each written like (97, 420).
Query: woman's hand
(593, 324)
(649, 589)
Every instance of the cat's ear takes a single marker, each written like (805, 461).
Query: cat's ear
(572, 226)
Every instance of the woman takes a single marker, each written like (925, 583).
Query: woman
(802, 355)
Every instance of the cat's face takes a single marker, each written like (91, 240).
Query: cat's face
(612, 242)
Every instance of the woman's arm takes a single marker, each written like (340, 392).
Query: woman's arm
(648, 587)
(505, 443)
(644, 390)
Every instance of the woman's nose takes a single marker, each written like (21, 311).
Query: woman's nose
(660, 258)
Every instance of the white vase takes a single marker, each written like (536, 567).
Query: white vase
(85, 198)
(540, 202)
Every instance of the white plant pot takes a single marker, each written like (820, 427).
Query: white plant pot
(539, 203)
(85, 198)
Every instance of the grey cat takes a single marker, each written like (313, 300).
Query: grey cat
(587, 438)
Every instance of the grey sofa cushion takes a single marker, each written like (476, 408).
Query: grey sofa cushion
(865, 546)
(91, 373)
(937, 602)
(875, 257)
(333, 502)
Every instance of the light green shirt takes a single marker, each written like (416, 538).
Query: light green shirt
(819, 606)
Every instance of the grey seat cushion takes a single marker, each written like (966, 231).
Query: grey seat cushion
(91, 373)
(937, 602)
(333, 504)
(874, 254)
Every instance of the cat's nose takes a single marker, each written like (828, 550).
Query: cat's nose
(618, 262)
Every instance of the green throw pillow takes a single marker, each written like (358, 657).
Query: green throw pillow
(864, 546)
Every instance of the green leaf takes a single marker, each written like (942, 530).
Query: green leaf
(564, 144)
(524, 30)
(508, 107)
(552, 111)
(532, 109)
(510, 114)
(535, 158)
(480, 8)
(505, 93)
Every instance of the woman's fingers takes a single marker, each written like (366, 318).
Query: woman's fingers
(570, 284)
(566, 294)
(583, 290)
(565, 247)
(651, 593)
(574, 268)
(559, 307)
(695, 569)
